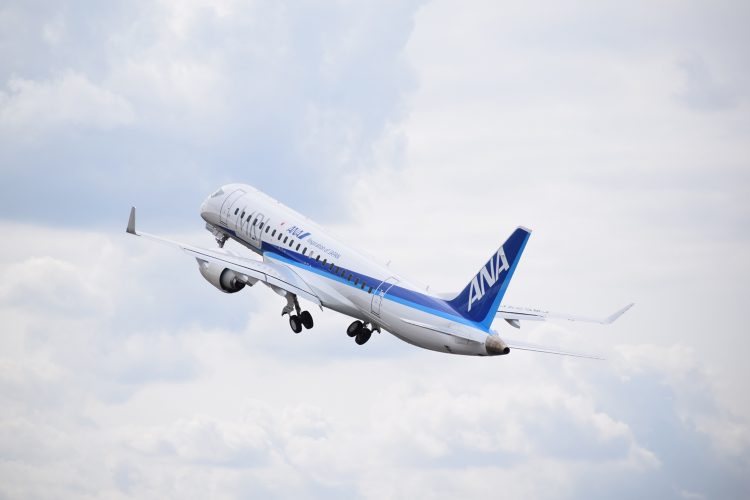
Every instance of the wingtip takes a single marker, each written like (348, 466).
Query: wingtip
(619, 313)
(131, 222)
(524, 228)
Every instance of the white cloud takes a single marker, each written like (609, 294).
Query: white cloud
(50, 286)
(697, 398)
(68, 100)
(122, 373)
(194, 411)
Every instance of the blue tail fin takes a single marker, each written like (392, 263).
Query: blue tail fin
(481, 298)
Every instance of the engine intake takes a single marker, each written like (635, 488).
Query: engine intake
(220, 277)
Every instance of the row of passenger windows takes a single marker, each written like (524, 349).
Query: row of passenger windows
(331, 266)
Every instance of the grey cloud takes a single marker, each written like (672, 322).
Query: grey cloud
(702, 91)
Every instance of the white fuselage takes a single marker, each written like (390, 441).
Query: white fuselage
(343, 279)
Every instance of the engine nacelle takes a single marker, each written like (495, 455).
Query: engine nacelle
(222, 278)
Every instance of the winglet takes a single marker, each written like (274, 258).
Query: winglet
(619, 313)
(131, 222)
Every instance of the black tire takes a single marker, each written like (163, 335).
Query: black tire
(295, 323)
(363, 336)
(306, 318)
(354, 328)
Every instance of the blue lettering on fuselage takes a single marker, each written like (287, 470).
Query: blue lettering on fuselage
(298, 232)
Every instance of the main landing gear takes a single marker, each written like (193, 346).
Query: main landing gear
(299, 320)
(296, 322)
(360, 332)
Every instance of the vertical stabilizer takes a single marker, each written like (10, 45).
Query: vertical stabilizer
(481, 298)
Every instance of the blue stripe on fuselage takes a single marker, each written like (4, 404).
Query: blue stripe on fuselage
(404, 296)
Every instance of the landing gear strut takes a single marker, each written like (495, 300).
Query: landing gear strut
(299, 320)
(219, 236)
(360, 332)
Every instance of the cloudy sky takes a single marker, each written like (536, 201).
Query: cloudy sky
(423, 133)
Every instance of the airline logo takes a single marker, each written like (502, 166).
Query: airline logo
(487, 276)
(298, 232)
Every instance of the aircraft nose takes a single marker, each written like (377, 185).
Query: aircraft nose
(206, 209)
(212, 205)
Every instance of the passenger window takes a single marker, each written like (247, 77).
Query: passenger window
(362, 286)
(370, 290)
(317, 258)
(279, 236)
(285, 238)
(242, 216)
(273, 233)
(356, 281)
(267, 228)
(260, 226)
(291, 243)
(236, 210)
(298, 245)
(343, 272)
(304, 251)
(330, 268)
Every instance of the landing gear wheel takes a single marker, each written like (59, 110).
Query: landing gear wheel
(363, 336)
(306, 318)
(354, 328)
(295, 323)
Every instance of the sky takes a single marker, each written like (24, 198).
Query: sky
(421, 133)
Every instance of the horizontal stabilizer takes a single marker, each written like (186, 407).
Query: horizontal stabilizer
(524, 346)
(511, 313)
(613, 317)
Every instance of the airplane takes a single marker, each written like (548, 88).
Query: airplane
(299, 259)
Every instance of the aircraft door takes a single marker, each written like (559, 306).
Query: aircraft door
(379, 293)
(255, 231)
(228, 206)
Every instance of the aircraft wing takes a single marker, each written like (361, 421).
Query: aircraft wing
(270, 273)
(513, 315)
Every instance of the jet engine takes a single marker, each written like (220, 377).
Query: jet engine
(222, 278)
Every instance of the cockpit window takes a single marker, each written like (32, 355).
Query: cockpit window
(218, 192)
